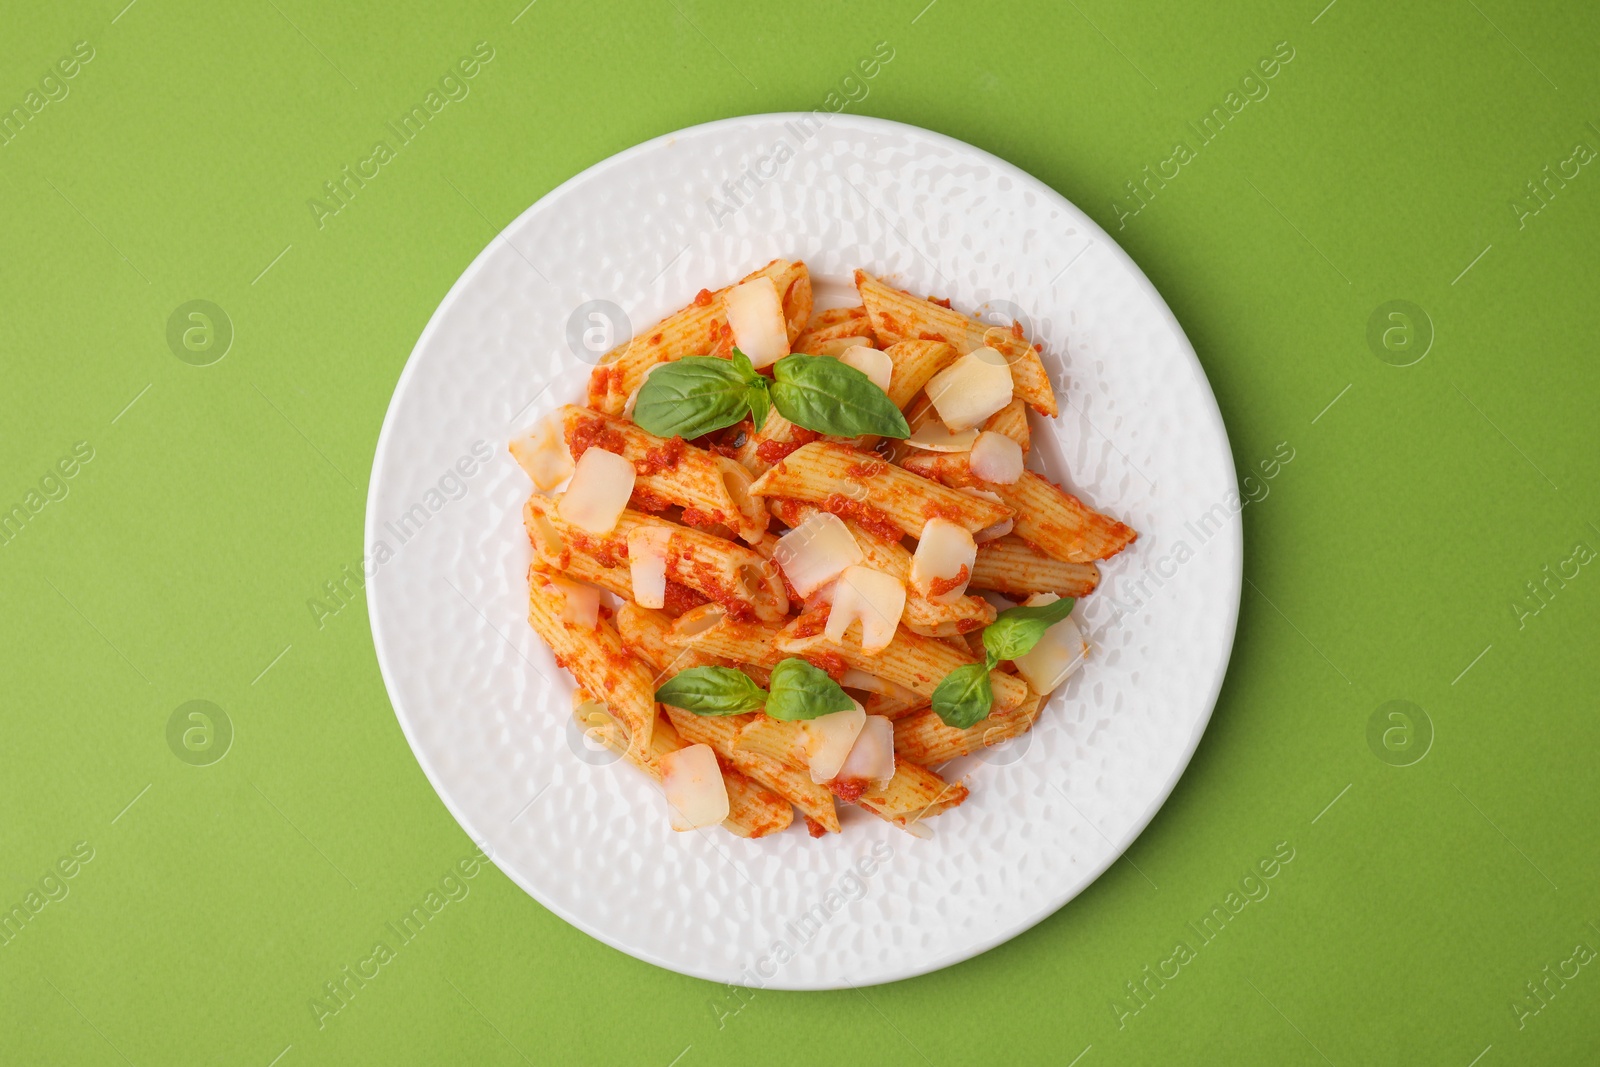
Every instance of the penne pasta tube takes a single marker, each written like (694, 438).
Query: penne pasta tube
(923, 738)
(913, 794)
(551, 551)
(918, 414)
(918, 663)
(645, 633)
(1012, 566)
(709, 631)
(885, 499)
(595, 657)
(573, 554)
(710, 488)
(921, 615)
(879, 696)
(773, 739)
(832, 326)
(739, 579)
(776, 439)
(700, 329)
(792, 783)
(753, 810)
(898, 316)
(1012, 420)
(915, 362)
(1046, 515)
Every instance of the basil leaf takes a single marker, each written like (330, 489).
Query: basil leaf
(693, 396)
(712, 691)
(1015, 631)
(822, 394)
(760, 404)
(742, 364)
(964, 698)
(802, 691)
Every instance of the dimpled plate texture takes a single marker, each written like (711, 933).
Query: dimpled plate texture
(487, 711)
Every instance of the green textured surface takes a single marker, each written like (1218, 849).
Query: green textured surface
(1382, 564)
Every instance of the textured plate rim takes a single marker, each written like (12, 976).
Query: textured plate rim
(1235, 537)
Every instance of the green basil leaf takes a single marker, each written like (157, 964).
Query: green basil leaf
(760, 404)
(742, 364)
(712, 691)
(1015, 631)
(694, 396)
(822, 394)
(964, 698)
(802, 691)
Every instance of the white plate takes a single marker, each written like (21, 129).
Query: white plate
(488, 712)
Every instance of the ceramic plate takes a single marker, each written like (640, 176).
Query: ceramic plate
(487, 711)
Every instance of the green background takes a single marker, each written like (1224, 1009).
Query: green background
(1384, 563)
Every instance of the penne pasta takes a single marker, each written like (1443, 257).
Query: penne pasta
(1046, 515)
(689, 547)
(918, 663)
(885, 499)
(879, 696)
(645, 633)
(1012, 420)
(922, 615)
(700, 329)
(773, 739)
(913, 794)
(551, 551)
(610, 573)
(792, 783)
(753, 810)
(712, 568)
(595, 657)
(776, 439)
(710, 488)
(709, 631)
(1011, 566)
(915, 362)
(923, 738)
(899, 316)
(918, 414)
(832, 328)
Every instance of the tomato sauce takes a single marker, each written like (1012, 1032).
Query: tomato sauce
(775, 452)
(940, 586)
(680, 598)
(831, 663)
(663, 458)
(644, 500)
(596, 431)
(848, 790)
(865, 515)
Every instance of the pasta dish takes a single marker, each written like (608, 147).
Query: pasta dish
(794, 558)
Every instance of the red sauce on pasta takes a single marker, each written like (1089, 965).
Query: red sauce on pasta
(865, 515)
(941, 586)
(645, 500)
(662, 458)
(831, 663)
(848, 790)
(594, 431)
(775, 452)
